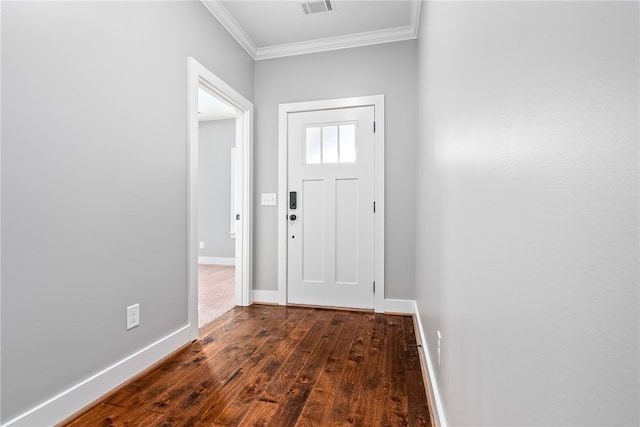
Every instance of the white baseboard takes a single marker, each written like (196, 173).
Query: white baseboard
(268, 297)
(435, 397)
(82, 394)
(212, 260)
(399, 306)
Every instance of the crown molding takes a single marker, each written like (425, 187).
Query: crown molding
(414, 19)
(314, 46)
(231, 25)
(335, 43)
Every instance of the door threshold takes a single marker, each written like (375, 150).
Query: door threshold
(330, 307)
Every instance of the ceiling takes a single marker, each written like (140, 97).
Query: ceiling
(276, 28)
(210, 108)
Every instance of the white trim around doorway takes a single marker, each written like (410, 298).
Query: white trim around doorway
(377, 101)
(199, 76)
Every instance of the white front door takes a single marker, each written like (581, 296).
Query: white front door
(330, 203)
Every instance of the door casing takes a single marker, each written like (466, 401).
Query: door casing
(201, 76)
(377, 101)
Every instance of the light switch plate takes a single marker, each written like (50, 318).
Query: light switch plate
(268, 199)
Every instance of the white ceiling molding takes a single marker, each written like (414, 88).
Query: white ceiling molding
(415, 17)
(231, 25)
(334, 43)
(314, 46)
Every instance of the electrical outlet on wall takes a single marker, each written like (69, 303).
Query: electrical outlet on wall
(201, 245)
(133, 316)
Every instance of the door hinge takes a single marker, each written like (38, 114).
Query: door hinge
(374, 286)
(374, 127)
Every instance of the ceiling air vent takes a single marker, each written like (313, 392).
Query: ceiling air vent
(316, 6)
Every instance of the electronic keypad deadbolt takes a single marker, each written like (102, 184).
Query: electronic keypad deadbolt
(293, 200)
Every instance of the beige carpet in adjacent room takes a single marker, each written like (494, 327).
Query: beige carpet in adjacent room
(216, 291)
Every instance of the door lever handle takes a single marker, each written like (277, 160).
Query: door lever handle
(292, 217)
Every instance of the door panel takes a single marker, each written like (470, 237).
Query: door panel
(313, 231)
(346, 231)
(331, 240)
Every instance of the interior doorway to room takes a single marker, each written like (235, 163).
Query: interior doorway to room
(216, 207)
(239, 208)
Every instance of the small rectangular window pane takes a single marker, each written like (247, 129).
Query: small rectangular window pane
(347, 143)
(330, 144)
(313, 146)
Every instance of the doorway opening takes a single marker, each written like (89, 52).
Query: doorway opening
(216, 207)
(219, 203)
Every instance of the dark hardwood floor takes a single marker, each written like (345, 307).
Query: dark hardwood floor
(280, 366)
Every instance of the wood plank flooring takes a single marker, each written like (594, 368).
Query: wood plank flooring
(280, 366)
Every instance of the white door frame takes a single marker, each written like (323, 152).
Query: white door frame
(200, 76)
(377, 101)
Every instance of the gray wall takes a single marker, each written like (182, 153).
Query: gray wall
(216, 138)
(388, 69)
(527, 244)
(94, 181)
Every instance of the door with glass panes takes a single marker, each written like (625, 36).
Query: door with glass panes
(330, 207)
